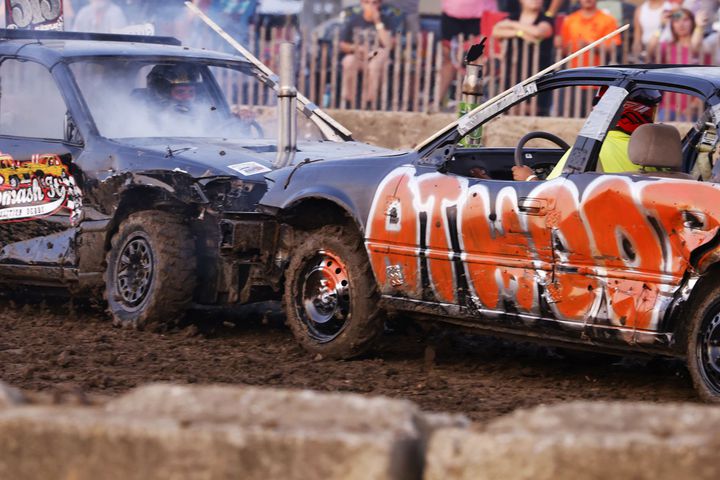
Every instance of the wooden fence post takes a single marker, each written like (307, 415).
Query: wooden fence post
(323, 75)
(535, 68)
(427, 81)
(334, 69)
(303, 70)
(407, 72)
(313, 52)
(438, 76)
(460, 59)
(418, 72)
(490, 75)
(397, 63)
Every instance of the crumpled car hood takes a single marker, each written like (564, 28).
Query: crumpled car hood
(250, 159)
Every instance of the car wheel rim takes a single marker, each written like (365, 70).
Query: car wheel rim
(134, 271)
(324, 297)
(708, 353)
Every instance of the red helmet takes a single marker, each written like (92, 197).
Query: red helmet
(639, 108)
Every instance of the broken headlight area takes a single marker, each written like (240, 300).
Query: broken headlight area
(233, 195)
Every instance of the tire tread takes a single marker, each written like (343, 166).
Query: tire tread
(175, 271)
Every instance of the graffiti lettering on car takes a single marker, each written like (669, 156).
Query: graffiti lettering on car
(613, 251)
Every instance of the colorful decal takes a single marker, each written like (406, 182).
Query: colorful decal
(36, 188)
(34, 14)
(613, 252)
(248, 169)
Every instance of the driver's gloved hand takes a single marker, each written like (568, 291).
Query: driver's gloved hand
(523, 173)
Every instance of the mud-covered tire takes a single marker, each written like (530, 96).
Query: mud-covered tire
(151, 270)
(702, 337)
(339, 318)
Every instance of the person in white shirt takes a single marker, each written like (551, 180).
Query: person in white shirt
(650, 21)
(100, 16)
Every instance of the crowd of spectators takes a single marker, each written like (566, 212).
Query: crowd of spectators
(663, 31)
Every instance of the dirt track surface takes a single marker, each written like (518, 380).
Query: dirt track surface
(55, 351)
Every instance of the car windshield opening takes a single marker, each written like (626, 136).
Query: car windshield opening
(131, 98)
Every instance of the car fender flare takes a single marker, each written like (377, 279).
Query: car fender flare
(326, 194)
(146, 190)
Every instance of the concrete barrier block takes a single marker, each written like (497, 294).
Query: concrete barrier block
(583, 441)
(174, 432)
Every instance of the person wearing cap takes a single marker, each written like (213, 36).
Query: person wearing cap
(639, 109)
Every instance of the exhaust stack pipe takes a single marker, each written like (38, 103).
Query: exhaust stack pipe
(472, 89)
(287, 108)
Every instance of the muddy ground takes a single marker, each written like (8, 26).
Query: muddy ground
(57, 352)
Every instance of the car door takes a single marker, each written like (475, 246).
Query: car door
(449, 239)
(40, 200)
(617, 265)
(622, 243)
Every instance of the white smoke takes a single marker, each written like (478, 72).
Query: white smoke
(123, 106)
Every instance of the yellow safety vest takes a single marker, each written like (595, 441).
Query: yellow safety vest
(614, 156)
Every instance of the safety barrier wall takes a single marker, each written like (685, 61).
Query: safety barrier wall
(222, 432)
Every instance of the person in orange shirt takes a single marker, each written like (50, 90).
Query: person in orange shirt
(584, 27)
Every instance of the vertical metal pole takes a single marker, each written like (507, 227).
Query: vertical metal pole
(287, 108)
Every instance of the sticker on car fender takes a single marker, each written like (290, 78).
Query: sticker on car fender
(36, 188)
(248, 169)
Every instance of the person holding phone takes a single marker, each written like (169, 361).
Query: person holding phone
(687, 34)
(684, 48)
(649, 19)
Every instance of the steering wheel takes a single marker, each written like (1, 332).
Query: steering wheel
(259, 132)
(249, 127)
(519, 150)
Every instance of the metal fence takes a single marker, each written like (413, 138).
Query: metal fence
(411, 79)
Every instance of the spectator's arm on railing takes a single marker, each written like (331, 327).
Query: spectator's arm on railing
(512, 28)
(357, 49)
(347, 47)
(505, 29)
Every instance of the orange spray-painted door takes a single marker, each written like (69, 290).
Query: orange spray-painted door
(506, 244)
(623, 244)
(454, 240)
(408, 235)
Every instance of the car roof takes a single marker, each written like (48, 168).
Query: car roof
(705, 79)
(50, 49)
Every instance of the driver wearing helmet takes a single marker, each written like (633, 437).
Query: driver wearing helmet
(639, 109)
(177, 90)
(173, 86)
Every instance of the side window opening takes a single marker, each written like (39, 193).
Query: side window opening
(649, 117)
(503, 135)
(30, 103)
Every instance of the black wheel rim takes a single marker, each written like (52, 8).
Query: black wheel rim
(708, 352)
(134, 271)
(323, 299)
